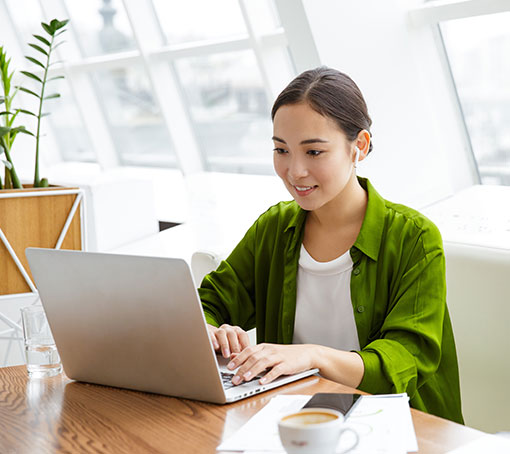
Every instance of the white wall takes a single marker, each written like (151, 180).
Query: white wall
(419, 151)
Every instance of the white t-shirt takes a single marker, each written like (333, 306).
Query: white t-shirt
(324, 312)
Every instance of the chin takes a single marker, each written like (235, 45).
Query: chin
(306, 205)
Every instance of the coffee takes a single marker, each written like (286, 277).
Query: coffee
(308, 418)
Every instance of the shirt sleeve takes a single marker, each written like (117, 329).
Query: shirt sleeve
(227, 294)
(408, 350)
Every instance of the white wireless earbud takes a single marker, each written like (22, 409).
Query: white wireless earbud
(358, 151)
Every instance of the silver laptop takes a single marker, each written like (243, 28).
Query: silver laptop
(134, 322)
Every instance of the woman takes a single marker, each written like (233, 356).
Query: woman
(338, 279)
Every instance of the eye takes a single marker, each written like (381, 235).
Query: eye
(280, 150)
(314, 152)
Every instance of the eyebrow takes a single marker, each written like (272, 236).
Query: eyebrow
(303, 142)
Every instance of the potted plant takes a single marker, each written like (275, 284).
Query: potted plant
(31, 214)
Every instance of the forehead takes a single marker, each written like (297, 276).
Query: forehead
(300, 121)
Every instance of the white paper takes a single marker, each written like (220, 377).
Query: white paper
(383, 423)
(260, 433)
(488, 443)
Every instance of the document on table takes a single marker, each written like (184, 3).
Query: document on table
(383, 423)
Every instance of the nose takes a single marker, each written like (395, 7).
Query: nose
(297, 168)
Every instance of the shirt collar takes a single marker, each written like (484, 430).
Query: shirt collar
(370, 236)
(297, 219)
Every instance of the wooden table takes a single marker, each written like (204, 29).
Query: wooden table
(57, 415)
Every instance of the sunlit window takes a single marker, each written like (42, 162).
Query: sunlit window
(479, 53)
(100, 27)
(211, 68)
(183, 22)
(135, 120)
(229, 108)
(66, 121)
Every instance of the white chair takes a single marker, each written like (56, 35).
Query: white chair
(202, 263)
(478, 295)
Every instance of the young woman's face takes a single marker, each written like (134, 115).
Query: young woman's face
(312, 155)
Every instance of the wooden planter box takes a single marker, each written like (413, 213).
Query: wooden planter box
(43, 217)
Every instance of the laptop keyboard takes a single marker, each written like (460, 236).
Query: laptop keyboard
(226, 378)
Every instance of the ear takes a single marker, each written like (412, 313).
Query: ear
(363, 143)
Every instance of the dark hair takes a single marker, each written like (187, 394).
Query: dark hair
(331, 93)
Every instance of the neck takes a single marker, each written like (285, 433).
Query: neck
(346, 209)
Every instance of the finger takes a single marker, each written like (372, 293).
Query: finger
(215, 343)
(273, 374)
(221, 336)
(245, 360)
(212, 335)
(233, 341)
(254, 366)
(240, 358)
(244, 339)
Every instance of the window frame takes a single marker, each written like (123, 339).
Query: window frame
(157, 60)
(431, 14)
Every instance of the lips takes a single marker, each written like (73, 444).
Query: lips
(304, 190)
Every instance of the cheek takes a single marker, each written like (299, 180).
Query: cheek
(334, 174)
(279, 166)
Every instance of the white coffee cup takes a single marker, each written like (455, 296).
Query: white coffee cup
(313, 431)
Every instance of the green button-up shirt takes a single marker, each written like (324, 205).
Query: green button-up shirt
(398, 294)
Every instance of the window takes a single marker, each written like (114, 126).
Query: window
(230, 110)
(475, 39)
(478, 50)
(153, 83)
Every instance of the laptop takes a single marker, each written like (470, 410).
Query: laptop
(134, 322)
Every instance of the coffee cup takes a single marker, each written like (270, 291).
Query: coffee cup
(314, 431)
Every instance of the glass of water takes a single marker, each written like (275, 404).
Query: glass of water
(41, 352)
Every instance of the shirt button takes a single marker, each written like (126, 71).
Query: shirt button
(361, 309)
(356, 271)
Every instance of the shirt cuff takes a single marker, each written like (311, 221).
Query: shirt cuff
(374, 381)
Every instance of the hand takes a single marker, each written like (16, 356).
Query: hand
(228, 339)
(279, 359)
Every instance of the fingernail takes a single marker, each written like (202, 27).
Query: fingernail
(236, 380)
(247, 375)
(231, 365)
(263, 380)
(226, 353)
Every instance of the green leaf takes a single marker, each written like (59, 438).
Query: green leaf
(38, 48)
(32, 76)
(60, 32)
(25, 131)
(27, 112)
(6, 113)
(30, 92)
(55, 78)
(54, 95)
(33, 60)
(43, 183)
(47, 28)
(58, 24)
(43, 40)
(2, 99)
(7, 164)
(5, 130)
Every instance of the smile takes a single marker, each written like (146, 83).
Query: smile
(304, 190)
